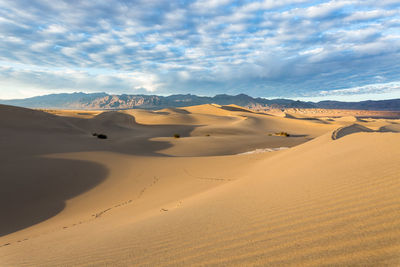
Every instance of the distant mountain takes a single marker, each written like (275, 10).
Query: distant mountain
(106, 101)
(391, 104)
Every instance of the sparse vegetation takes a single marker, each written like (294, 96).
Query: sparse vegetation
(282, 134)
(102, 136)
(207, 134)
(177, 135)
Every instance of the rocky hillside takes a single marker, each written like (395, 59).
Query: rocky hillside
(105, 101)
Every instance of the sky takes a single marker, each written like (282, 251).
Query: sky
(298, 49)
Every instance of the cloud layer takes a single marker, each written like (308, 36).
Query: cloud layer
(287, 48)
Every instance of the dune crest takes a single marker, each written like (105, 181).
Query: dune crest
(346, 130)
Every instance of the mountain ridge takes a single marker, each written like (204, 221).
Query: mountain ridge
(80, 100)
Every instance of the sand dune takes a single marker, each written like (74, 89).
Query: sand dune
(350, 129)
(142, 197)
(356, 128)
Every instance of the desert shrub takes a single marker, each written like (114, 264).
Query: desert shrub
(102, 136)
(177, 135)
(282, 134)
(207, 134)
(94, 134)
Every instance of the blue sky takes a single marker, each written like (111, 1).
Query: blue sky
(300, 49)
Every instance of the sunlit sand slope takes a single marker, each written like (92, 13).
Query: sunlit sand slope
(124, 202)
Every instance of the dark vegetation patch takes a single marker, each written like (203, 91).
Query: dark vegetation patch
(100, 136)
(280, 134)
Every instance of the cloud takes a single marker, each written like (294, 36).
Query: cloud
(25, 78)
(208, 6)
(55, 29)
(288, 48)
(370, 15)
(377, 88)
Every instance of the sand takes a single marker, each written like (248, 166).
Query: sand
(144, 198)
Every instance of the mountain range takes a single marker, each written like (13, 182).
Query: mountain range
(106, 101)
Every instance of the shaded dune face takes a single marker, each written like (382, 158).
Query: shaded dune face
(351, 129)
(33, 189)
(39, 133)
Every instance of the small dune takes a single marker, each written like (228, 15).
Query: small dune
(116, 119)
(390, 128)
(346, 119)
(304, 117)
(235, 108)
(354, 128)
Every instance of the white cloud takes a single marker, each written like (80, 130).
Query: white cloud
(55, 28)
(370, 15)
(269, 4)
(325, 9)
(313, 51)
(22, 78)
(208, 5)
(377, 88)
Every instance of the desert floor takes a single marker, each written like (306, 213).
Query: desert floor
(328, 194)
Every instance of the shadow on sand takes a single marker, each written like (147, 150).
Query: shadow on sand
(34, 188)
